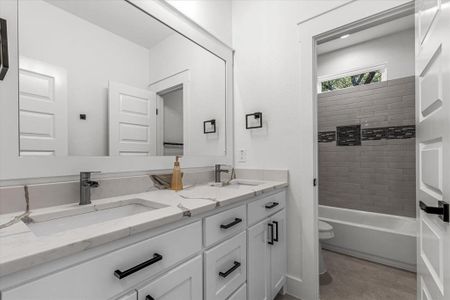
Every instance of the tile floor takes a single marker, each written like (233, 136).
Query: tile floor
(355, 279)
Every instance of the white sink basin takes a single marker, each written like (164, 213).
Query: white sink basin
(236, 183)
(49, 223)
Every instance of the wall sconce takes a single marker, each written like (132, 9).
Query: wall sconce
(253, 120)
(209, 126)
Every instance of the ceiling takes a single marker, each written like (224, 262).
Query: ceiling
(120, 18)
(371, 33)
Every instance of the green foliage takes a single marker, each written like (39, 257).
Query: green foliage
(349, 81)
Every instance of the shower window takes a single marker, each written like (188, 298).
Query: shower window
(351, 79)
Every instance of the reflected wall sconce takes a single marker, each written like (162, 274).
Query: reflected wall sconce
(253, 120)
(209, 126)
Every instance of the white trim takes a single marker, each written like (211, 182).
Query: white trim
(354, 71)
(13, 167)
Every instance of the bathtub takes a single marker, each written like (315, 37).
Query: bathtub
(381, 238)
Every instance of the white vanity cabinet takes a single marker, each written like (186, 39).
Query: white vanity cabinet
(267, 262)
(215, 256)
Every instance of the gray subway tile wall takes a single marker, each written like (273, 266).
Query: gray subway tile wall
(378, 175)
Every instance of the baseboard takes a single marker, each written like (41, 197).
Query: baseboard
(370, 257)
(294, 286)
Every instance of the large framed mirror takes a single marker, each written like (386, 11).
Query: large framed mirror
(99, 78)
(115, 84)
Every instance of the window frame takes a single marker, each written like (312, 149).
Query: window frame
(355, 71)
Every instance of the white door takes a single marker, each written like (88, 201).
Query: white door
(433, 146)
(42, 108)
(278, 254)
(132, 120)
(184, 282)
(258, 262)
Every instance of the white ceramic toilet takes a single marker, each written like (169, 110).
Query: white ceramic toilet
(325, 233)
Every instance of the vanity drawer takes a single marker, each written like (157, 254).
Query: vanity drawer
(225, 267)
(96, 279)
(265, 207)
(224, 224)
(240, 294)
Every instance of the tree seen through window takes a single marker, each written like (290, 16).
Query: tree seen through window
(353, 80)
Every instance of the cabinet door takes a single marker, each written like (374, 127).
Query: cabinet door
(278, 254)
(258, 262)
(183, 282)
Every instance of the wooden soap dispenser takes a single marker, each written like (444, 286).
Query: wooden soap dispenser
(176, 183)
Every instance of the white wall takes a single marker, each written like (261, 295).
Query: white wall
(396, 51)
(214, 16)
(206, 89)
(92, 56)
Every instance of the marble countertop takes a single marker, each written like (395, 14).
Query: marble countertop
(21, 249)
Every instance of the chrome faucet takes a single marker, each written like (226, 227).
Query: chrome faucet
(217, 171)
(85, 187)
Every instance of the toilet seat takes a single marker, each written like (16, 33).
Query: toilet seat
(325, 230)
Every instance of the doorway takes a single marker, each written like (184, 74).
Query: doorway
(365, 99)
(170, 122)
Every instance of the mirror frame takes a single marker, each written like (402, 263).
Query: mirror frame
(14, 167)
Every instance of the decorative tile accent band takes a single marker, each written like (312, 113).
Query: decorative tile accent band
(348, 135)
(327, 136)
(389, 133)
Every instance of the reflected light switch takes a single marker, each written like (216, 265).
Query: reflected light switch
(242, 155)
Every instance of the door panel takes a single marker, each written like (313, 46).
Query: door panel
(132, 120)
(42, 108)
(433, 145)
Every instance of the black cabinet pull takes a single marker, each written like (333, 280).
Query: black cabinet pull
(442, 210)
(271, 205)
(270, 242)
(4, 59)
(275, 239)
(148, 297)
(226, 226)
(122, 274)
(229, 271)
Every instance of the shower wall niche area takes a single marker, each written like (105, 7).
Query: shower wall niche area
(367, 147)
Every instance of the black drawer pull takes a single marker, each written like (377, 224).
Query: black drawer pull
(156, 257)
(270, 242)
(4, 59)
(226, 226)
(442, 210)
(275, 239)
(225, 274)
(148, 297)
(271, 205)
